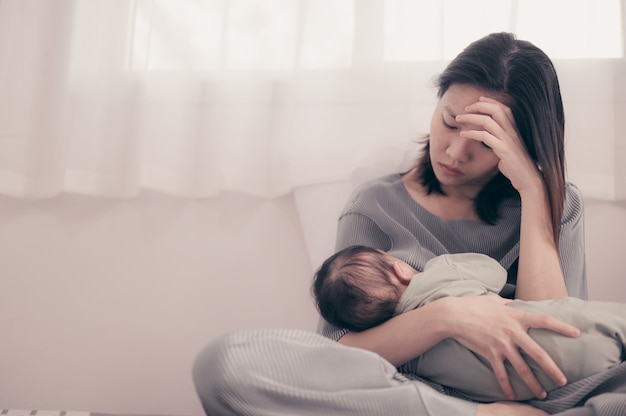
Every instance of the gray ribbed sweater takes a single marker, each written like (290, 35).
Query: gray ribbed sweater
(382, 214)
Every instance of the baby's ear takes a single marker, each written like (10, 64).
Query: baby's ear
(402, 272)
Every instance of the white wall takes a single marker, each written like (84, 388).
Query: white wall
(605, 235)
(105, 303)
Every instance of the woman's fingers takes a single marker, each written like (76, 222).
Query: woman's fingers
(538, 354)
(506, 110)
(492, 116)
(552, 324)
(483, 124)
(501, 113)
(527, 376)
(546, 363)
(514, 357)
(492, 123)
(485, 137)
(499, 333)
(499, 371)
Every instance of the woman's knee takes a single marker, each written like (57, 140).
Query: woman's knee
(233, 364)
(220, 364)
(220, 374)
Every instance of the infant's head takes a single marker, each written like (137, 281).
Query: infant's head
(359, 287)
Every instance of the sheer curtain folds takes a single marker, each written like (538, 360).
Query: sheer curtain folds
(196, 97)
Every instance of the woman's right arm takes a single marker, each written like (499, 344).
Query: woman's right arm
(404, 337)
(484, 324)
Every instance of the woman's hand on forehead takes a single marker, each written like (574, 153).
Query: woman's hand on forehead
(498, 130)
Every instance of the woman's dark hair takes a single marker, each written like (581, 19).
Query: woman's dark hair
(525, 76)
(353, 290)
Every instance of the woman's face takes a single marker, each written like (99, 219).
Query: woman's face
(459, 162)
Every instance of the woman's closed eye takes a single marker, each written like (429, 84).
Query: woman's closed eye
(448, 126)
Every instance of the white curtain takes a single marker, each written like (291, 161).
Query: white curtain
(197, 97)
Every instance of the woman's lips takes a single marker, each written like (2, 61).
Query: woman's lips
(450, 171)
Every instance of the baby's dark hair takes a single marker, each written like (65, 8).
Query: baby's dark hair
(353, 289)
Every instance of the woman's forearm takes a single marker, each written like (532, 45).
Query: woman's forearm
(539, 272)
(405, 336)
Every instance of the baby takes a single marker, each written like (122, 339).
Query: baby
(361, 287)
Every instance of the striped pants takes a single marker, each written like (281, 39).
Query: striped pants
(264, 372)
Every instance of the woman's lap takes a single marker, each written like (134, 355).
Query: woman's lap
(603, 394)
(276, 371)
(261, 372)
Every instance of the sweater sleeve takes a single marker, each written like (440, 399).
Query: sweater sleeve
(358, 229)
(572, 244)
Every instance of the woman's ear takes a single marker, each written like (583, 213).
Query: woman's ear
(403, 272)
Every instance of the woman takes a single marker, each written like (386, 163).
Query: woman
(490, 181)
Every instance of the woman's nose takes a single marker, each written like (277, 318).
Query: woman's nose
(459, 150)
